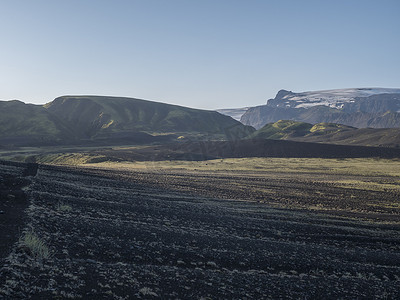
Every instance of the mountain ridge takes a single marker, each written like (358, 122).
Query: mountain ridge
(91, 119)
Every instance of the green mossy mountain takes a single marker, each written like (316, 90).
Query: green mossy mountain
(93, 119)
(330, 133)
(30, 123)
(99, 117)
(282, 129)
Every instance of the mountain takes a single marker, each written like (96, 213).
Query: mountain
(331, 98)
(329, 133)
(30, 124)
(104, 117)
(108, 120)
(367, 107)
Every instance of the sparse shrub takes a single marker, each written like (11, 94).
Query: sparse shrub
(146, 291)
(34, 245)
(63, 207)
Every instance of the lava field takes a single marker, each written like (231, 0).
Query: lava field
(128, 235)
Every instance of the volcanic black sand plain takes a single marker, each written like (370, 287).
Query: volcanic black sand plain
(249, 228)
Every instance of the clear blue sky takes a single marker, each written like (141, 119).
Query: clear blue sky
(204, 54)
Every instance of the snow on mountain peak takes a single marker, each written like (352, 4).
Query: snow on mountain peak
(332, 98)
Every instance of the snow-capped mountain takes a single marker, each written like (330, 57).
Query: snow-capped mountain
(357, 107)
(330, 98)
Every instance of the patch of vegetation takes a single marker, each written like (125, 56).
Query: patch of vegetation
(146, 291)
(70, 158)
(330, 127)
(282, 129)
(62, 207)
(34, 245)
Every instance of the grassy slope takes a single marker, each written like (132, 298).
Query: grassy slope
(22, 123)
(386, 137)
(19, 119)
(329, 133)
(97, 116)
(282, 129)
(109, 120)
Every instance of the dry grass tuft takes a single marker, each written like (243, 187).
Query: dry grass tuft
(36, 247)
(62, 207)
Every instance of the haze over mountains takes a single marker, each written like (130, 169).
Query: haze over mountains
(235, 113)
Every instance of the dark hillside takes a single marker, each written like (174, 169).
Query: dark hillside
(279, 148)
(205, 150)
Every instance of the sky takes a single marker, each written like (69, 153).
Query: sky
(206, 54)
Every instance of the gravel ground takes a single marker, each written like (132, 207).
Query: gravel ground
(127, 235)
